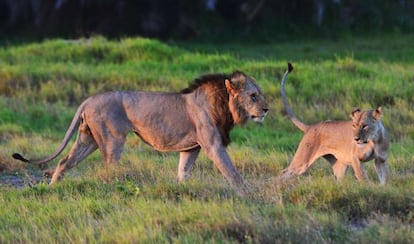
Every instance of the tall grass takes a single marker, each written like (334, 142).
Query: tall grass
(139, 199)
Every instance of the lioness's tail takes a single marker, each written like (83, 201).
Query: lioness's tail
(303, 127)
(69, 133)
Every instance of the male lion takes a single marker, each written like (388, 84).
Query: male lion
(342, 143)
(199, 117)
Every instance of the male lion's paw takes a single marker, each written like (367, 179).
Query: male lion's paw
(245, 190)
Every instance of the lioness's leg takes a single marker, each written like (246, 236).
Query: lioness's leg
(339, 169)
(358, 171)
(383, 170)
(305, 156)
(83, 146)
(186, 163)
(364, 172)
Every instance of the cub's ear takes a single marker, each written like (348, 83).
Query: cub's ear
(377, 113)
(355, 111)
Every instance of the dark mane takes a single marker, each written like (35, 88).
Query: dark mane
(217, 100)
(213, 79)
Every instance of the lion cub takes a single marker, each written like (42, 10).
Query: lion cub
(342, 143)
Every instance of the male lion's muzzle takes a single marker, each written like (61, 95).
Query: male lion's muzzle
(260, 119)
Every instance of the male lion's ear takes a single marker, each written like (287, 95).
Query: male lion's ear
(238, 80)
(377, 113)
(230, 88)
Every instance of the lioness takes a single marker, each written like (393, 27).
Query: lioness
(199, 117)
(342, 143)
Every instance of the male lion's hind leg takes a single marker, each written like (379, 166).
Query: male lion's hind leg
(83, 146)
(110, 140)
(186, 163)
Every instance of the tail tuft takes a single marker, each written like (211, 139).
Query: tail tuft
(290, 67)
(19, 157)
(302, 126)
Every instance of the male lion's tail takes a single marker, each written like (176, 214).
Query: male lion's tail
(303, 127)
(69, 133)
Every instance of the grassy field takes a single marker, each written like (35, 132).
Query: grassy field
(139, 200)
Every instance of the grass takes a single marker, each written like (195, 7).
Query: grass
(139, 200)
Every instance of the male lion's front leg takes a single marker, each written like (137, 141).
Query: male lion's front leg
(210, 141)
(186, 163)
(222, 161)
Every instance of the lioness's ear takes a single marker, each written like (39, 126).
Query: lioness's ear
(377, 113)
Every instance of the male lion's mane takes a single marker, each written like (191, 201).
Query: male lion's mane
(213, 85)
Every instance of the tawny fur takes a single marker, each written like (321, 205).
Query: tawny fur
(342, 143)
(199, 117)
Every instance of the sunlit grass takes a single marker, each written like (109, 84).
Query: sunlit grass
(139, 200)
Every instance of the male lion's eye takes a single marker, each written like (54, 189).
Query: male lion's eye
(253, 97)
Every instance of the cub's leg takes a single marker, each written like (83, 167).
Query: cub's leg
(83, 146)
(186, 163)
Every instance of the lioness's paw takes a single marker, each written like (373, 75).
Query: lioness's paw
(48, 173)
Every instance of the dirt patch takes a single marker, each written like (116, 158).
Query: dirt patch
(19, 179)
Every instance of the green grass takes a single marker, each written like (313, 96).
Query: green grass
(139, 200)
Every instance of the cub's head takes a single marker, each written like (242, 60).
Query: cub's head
(365, 124)
(246, 99)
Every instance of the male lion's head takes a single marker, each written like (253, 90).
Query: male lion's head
(246, 100)
(364, 124)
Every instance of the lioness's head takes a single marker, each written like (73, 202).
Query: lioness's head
(246, 99)
(364, 124)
